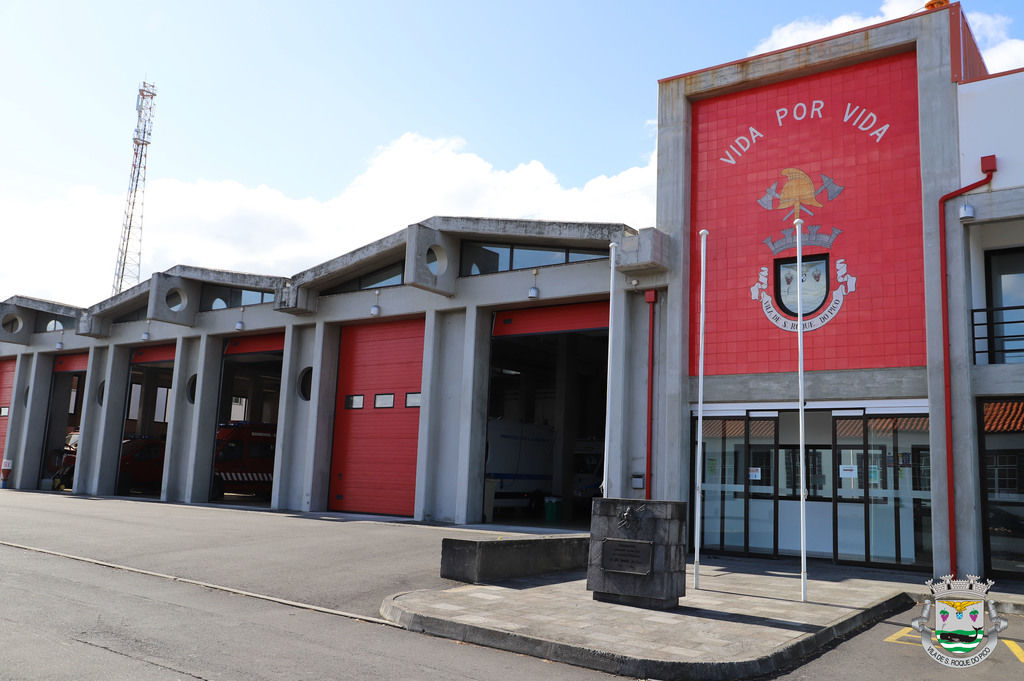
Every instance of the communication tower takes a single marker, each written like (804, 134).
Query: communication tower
(129, 252)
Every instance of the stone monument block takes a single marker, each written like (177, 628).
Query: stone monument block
(638, 552)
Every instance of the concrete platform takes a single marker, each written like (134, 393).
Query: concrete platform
(746, 620)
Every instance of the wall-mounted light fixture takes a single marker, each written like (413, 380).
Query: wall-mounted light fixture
(60, 341)
(240, 324)
(145, 334)
(375, 308)
(966, 211)
(534, 292)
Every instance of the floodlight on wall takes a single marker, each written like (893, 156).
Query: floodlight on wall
(60, 341)
(966, 212)
(240, 324)
(145, 334)
(375, 308)
(534, 292)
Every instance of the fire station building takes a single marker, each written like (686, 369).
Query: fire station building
(465, 370)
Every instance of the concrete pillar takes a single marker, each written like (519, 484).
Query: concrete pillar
(180, 421)
(203, 435)
(429, 399)
(31, 396)
(109, 392)
(673, 218)
(316, 485)
(472, 416)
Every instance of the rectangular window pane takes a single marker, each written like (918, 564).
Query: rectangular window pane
(134, 401)
(384, 401)
(484, 259)
(252, 297)
(525, 258)
(582, 255)
(412, 399)
(386, 276)
(3, 411)
(353, 401)
(160, 413)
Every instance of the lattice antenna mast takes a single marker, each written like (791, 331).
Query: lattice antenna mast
(129, 252)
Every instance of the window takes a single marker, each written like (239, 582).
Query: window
(353, 401)
(215, 297)
(1006, 306)
(525, 258)
(392, 275)
(384, 401)
(412, 399)
(487, 258)
(4, 411)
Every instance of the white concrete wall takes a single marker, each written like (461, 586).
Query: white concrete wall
(990, 123)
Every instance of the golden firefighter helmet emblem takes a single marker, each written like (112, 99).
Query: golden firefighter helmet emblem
(798, 191)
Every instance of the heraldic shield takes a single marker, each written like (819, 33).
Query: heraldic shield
(814, 280)
(960, 624)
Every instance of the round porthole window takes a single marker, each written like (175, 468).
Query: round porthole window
(437, 260)
(305, 386)
(175, 300)
(190, 389)
(11, 323)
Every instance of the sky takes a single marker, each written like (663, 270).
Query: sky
(288, 133)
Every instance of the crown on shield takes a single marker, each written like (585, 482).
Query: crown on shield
(811, 237)
(945, 587)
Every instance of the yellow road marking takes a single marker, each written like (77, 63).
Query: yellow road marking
(905, 633)
(1015, 649)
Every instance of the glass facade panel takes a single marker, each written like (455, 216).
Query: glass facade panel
(850, 515)
(868, 486)
(914, 495)
(882, 489)
(1006, 284)
(761, 480)
(1002, 458)
(525, 258)
(722, 506)
(484, 258)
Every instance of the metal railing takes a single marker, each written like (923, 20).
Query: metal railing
(998, 335)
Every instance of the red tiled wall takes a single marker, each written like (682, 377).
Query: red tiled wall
(881, 323)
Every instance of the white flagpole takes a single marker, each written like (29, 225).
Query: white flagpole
(799, 224)
(699, 465)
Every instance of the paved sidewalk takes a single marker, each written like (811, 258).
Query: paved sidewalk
(745, 621)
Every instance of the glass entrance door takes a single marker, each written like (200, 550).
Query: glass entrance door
(851, 474)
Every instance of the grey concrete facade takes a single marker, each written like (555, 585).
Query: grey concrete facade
(458, 319)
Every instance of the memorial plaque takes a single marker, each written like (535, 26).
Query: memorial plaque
(629, 556)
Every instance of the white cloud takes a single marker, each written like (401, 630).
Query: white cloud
(807, 29)
(67, 245)
(991, 31)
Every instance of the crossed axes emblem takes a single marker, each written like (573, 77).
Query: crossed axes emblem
(798, 193)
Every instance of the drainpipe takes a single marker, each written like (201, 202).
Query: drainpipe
(612, 251)
(651, 296)
(988, 166)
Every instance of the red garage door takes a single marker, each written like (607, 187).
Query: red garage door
(377, 417)
(6, 393)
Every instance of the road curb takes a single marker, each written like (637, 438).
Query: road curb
(668, 670)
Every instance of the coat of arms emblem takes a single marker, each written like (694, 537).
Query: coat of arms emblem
(959, 606)
(821, 298)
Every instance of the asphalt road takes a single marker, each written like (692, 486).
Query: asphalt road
(62, 618)
(341, 562)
